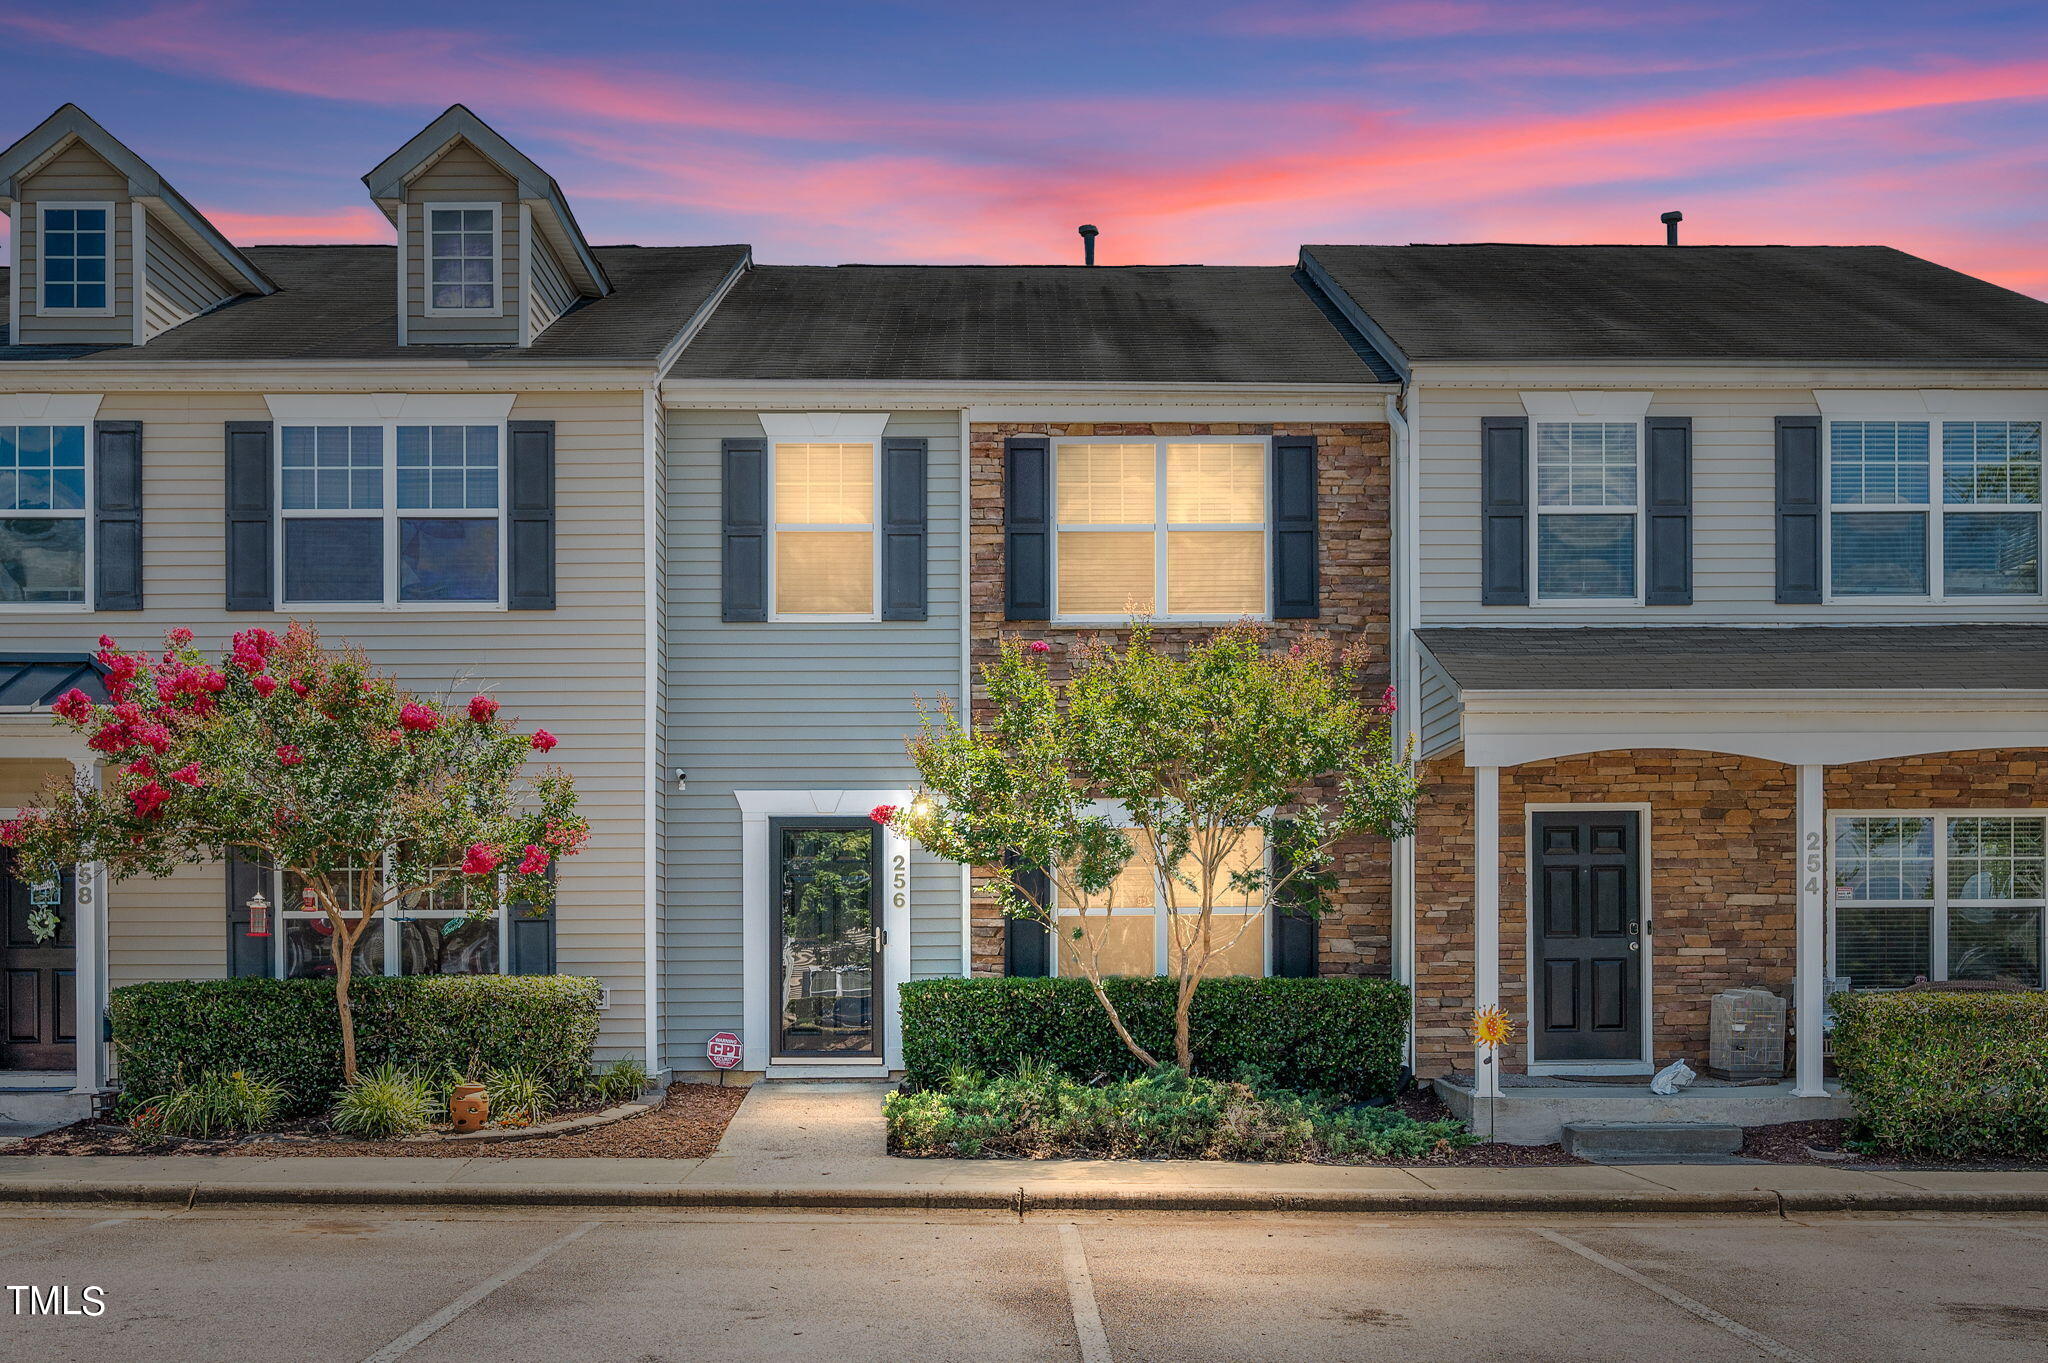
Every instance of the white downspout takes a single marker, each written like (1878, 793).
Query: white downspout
(1403, 608)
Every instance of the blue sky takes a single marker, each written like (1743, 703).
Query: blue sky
(1218, 132)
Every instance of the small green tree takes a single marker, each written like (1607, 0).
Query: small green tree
(371, 796)
(1208, 758)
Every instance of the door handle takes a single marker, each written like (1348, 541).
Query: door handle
(1635, 937)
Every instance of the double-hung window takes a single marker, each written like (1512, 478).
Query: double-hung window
(391, 514)
(1172, 528)
(824, 545)
(462, 258)
(74, 252)
(1938, 896)
(44, 537)
(1588, 481)
(432, 934)
(1937, 510)
(1128, 929)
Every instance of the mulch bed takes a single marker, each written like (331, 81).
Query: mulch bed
(1424, 1106)
(1797, 1142)
(688, 1126)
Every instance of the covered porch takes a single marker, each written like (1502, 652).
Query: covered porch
(1634, 821)
(53, 950)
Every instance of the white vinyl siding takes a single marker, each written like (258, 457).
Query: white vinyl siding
(76, 175)
(176, 287)
(1734, 522)
(579, 670)
(463, 177)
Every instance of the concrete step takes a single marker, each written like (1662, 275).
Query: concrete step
(1651, 1140)
(45, 1107)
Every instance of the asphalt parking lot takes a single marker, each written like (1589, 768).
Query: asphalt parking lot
(344, 1284)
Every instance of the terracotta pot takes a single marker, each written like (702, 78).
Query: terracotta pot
(469, 1107)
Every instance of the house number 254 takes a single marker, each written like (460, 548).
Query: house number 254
(1813, 863)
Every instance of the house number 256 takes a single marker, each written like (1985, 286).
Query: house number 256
(899, 880)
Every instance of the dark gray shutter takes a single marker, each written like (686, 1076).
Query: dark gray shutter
(1667, 509)
(530, 517)
(117, 515)
(248, 955)
(1296, 542)
(1027, 943)
(1027, 528)
(530, 936)
(1799, 510)
(252, 513)
(1294, 927)
(1504, 510)
(744, 574)
(903, 529)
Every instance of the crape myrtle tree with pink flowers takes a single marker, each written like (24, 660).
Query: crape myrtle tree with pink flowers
(1235, 768)
(371, 796)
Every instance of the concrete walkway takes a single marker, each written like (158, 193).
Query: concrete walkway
(821, 1145)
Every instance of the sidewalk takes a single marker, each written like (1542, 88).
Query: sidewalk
(820, 1145)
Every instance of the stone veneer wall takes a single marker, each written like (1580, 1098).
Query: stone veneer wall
(1721, 840)
(1354, 481)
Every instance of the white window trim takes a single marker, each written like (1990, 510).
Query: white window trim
(1938, 908)
(1162, 955)
(386, 919)
(390, 411)
(1935, 509)
(1158, 528)
(427, 211)
(64, 409)
(873, 530)
(757, 909)
(1537, 511)
(43, 207)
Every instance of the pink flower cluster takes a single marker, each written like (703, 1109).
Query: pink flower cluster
(253, 647)
(562, 836)
(288, 755)
(882, 813)
(419, 719)
(149, 799)
(535, 862)
(482, 709)
(14, 832)
(481, 860)
(543, 741)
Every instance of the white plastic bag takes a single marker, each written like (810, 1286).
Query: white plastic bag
(1672, 1078)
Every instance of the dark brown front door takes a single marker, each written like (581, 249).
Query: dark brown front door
(37, 977)
(1589, 960)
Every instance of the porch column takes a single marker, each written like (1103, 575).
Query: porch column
(89, 959)
(1485, 915)
(1812, 939)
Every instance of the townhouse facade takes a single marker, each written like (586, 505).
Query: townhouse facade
(1708, 577)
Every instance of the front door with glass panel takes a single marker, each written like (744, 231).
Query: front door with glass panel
(37, 965)
(827, 958)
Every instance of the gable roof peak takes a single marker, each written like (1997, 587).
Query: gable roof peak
(70, 124)
(390, 179)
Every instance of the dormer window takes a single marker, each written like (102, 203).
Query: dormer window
(462, 258)
(74, 255)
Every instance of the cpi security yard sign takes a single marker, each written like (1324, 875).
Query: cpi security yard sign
(723, 1050)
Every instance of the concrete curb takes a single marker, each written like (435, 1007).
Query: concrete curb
(1022, 1201)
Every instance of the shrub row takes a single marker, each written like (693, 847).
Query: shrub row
(1039, 1113)
(1940, 1073)
(1337, 1036)
(288, 1031)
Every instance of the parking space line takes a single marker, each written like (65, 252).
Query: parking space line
(1678, 1299)
(426, 1329)
(1081, 1295)
(59, 1239)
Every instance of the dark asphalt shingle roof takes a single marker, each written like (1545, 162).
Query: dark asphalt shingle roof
(1840, 658)
(339, 303)
(1513, 302)
(1047, 323)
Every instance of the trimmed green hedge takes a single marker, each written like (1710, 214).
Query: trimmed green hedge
(288, 1031)
(1947, 1073)
(1339, 1035)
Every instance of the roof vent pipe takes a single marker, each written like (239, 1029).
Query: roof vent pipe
(1088, 231)
(1671, 221)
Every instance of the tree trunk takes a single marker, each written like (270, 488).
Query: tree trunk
(1183, 1007)
(1116, 1022)
(343, 949)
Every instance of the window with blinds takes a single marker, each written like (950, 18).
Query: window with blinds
(1588, 502)
(824, 541)
(1938, 510)
(1939, 897)
(1166, 528)
(1129, 929)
